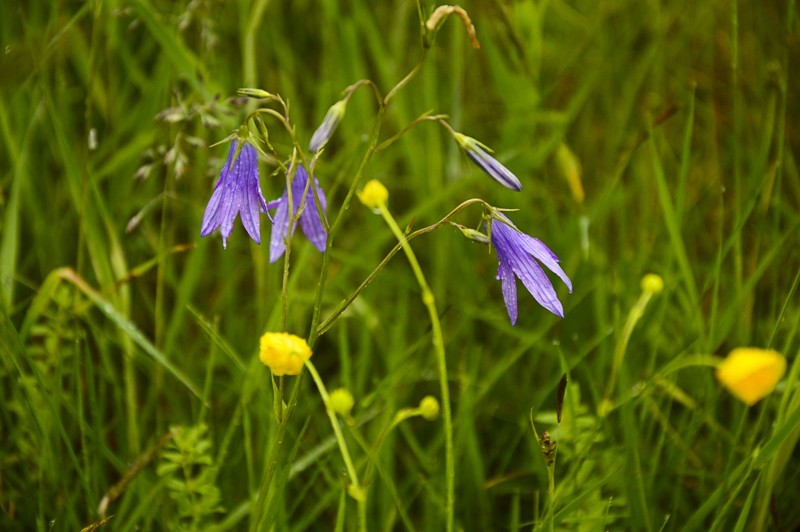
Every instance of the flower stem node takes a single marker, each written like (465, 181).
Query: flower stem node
(374, 194)
(357, 492)
(652, 284)
(429, 407)
(325, 130)
(341, 401)
(604, 408)
(751, 373)
(283, 353)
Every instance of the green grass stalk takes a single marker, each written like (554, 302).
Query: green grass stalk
(438, 344)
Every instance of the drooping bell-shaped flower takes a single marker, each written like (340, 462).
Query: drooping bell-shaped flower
(310, 220)
(520, 255)
(238, 192)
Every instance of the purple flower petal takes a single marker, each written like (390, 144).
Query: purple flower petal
(493, 167)
(518, 254)
(237, 192)
(310, 221)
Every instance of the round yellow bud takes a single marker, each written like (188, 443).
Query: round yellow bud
(750, 373)
(652, 284)
(283, 353)
(374, 194)
(429, 407)
(341, 401)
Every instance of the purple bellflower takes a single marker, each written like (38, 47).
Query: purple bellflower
(478, 155)
(237, 192)
(518, 254)
(310, 221)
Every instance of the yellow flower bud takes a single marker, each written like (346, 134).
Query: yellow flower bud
(341, 401)
(283, 353)
(429, 407)
(374, 194)
(652, 283)
(750, 373)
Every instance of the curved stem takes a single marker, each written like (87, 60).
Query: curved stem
(403, 82)
(424, 118)
(419, 232)
(438, 343)
(356, 490)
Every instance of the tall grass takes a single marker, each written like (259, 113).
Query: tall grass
(132, 394)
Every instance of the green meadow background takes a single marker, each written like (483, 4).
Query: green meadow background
(128, 344)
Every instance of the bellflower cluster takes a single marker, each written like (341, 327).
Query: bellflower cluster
(310, 221)
(237, 192)
(518, 254)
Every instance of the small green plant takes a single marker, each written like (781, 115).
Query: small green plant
(188, 469)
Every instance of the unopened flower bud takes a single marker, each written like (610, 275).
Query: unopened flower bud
(652, 283)
(341, 401)
(479, 155)
(256, 93)
(472, 234)
(429, 407)
(328, 126)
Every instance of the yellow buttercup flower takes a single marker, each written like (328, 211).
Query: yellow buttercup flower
(751, 373)
(374, 194)
(283, 353)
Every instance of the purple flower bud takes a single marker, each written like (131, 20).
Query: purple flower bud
(487, 163)
(328, 126)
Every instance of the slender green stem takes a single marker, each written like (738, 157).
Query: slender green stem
(332, 230)
(356, 490)
(403, 82)
(551, 493)
(438, 344)
(634, 316)
(419, 232)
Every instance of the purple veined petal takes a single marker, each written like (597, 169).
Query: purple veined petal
(229, 204)
(280, 226)
(530, 273)
(210, 216)
(509, 284)
(310, 221)
(494, 168)
(250, 194)
(545, 255)
(237, 193)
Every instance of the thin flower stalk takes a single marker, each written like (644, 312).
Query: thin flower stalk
(438, 343)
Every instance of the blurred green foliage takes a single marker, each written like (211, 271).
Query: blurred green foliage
(118, 321)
